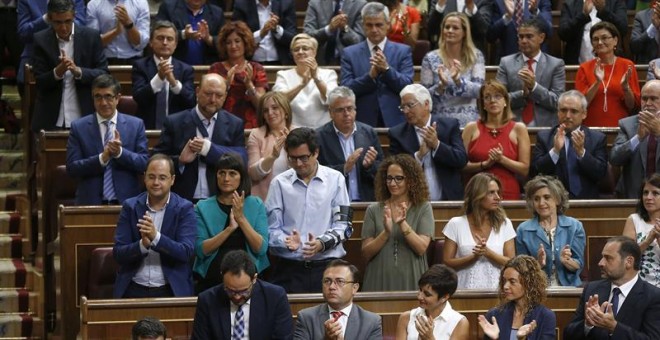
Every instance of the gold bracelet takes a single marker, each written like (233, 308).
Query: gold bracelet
(407, 232)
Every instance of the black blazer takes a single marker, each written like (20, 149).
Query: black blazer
(332, 155)
(637, 318)
(179, 128)
(246, 11)
(177, 12)
(270, 313)
(573, 19)
(592, 167)
(449, 159)
(87, 54)
(144, 69)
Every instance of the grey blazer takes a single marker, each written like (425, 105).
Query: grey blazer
(361, 324)
(643, 47)
(550, 83)
(319, 13)
(633, 162)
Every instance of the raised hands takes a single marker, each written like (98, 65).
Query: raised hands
(649, 122)
(237, 206)
(599, 4)
(147, 230)
(587, 6)
(270, 25)
(369, 157)
(311, 247)
(190, 151)
(352, 159)
(339, 21)
(533, 6)
(509, 7)
(166, 71)
(492, 330)
(387, 218)
(654, 68)
(577, 141)
(430, 138)
(559, 141)
(279, 144)
(122, 15)
(293, 241)
(424, 326)
(378, 64)
(333, 329)
(599, 71)
(67, 64)
(480, 247)
(528, 78)
(566, 254)
(495, 154)
(399, 212)
(541, 256)
(526, 329)
(625, 80)
(600, 316)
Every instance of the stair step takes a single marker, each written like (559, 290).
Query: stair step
(11, 246)
(10, 222)
(10, 141)
(17, 301)
(13, 181)
(19, 325)
(14, 273)
(11, 161)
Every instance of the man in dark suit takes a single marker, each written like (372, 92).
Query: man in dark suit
(161, 83)
(377, 80)
(65, 64)
(223, 312)
(334, 27)
(479, 13)
(507, 17)
(434, 141)
(198, 24)
(274, 25)
(577, 17)
(646, 34)
(636, 145)
(155, 238)
(196, 138)
(534, 79)
(338, 317)
(106, 151)
(574, 153)
(349, 147)
(622, 305)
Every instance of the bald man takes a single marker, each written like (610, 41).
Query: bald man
(631, 148)
(196, 138)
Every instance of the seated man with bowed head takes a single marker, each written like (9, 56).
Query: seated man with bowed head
(377, 69)
(149, 329)
(197, 138)
(338, 318)
(621, 305)
(305, 227)
(350, 147)
(155, 238)
(242, 306)
(434, 141)
(106, 151)
(571, 151)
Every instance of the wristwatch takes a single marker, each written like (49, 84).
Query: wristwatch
(346, 29)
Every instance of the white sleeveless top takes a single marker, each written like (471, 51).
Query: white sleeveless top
(650, 266)
(443, 325)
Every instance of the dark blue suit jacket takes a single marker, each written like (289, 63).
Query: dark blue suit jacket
(246, 11)
(176, 245)
(449, 159)
(82, 158)
(507, 35)
(270, 313)
(637, 318)
(177, 12)
(546, 321)
(144, 70)
(332, 155)
(380, 95)
(88, 55)
(593, 166)
(179, 128)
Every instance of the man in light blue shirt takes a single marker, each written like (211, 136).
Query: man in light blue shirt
(305, 226)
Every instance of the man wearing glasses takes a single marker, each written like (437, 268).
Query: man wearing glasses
(302, 204)
(106, 151)
(350, 147)
(338, 318)
(155, 238)
(242, 307)
(434, 141)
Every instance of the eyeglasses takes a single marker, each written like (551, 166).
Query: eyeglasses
(295, 159)
(348, 109)
(408, 106)
(339, 282)
(396, 179)
(245, 293)
(104, 97)
(598, 40)
(494, 97)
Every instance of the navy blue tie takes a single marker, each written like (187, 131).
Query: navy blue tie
(573, 172)
(331, 46)
(615, 300)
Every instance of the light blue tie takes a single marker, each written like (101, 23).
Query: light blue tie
(108, 186)
(239, 324)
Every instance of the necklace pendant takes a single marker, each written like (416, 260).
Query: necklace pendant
(494, 132)
(605, 91)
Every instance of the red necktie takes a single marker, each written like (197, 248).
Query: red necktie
(650, 156)
(528, 111)
(336, 315)
(518, 12)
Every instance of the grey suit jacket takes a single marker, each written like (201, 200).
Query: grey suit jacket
(643, 47)
(632, 161)
(361, 324)
(319, 13)
(550, 83)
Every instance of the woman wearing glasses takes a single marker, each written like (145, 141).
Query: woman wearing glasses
(495, 143)
(454, 72)
(398, 228)
(609, 82)
(478, 243)
(266, 154)
(233, 219)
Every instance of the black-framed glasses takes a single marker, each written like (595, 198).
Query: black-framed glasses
(303, 158)
(245, 293)
(396, 179)
(342, 110)
(404, 107)
(104, 97)
(339, 282)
